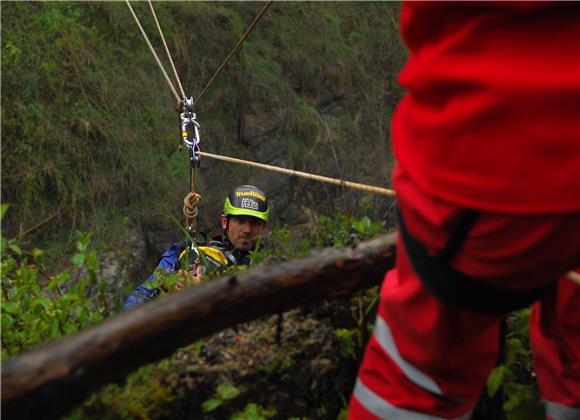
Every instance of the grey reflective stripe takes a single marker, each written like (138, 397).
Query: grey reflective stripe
(384, 336)
(557, 411)
(382, 408)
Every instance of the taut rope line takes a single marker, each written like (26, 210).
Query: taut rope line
(354, 185)
(234, 50)
(177, 98)
(166, 49)
(192, 199)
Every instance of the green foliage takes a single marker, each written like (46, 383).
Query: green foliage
(224, 392)
(344, 230)
(142, 396)
(163, 280)
(253, 411)
(36, 307)
(75, 116)
(338, 231)
(88, 126)
(349, 341)
(522, 399)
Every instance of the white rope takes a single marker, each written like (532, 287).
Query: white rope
(574, 276)
(166, 49)
(177, 98)
(233, 51)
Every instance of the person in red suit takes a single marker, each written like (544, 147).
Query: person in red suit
(487, 143)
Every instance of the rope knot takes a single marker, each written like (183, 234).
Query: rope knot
(190, 211)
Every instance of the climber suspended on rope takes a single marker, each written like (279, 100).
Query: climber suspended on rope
(243, 220)
(245, 210)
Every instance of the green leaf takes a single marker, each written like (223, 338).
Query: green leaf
(515, 349)
(250, 412)
(3, 210)
(54, 332)
(495, 380)
(92, 261)
(347, 341)
(254, 411)
(38, 256)
(523, 326)
(9, 307)
(57, 280)
(84, 241)
(210, 405)
(78, 260)
(513, 402)
(227, 391)
(15, 248)
(7, 322)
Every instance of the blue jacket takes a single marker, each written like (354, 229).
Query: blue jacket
(217, 255)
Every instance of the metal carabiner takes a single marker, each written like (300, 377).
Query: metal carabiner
(190, 131)
(194, 158)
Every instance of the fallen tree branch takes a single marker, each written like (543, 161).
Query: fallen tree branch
(47, 382)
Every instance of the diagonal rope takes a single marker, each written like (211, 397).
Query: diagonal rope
(166, 49)
(354, 185)
(234, 50)
(153, 51)
(574, 276)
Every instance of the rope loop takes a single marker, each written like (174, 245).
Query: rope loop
(190, 210)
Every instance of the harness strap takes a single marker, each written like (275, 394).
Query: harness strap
(455, 288)
(230, 256)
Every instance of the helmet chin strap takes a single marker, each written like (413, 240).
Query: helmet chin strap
(226, 228)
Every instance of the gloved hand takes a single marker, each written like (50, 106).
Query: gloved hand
(189, 278)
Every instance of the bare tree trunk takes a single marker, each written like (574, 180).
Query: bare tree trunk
(49, 381)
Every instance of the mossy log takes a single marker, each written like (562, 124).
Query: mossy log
(48, 381)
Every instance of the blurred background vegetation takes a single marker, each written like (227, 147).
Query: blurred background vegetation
(89, 131)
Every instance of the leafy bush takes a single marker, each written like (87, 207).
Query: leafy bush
(143, 396)
(253, 411)
(224, 392)
(37, 307)
(349, 339)
(337, 232)
(514, 376)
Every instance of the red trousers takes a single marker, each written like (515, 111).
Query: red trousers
(427, 360)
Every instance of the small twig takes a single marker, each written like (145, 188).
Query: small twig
(361, 316)
(40, 224)
(279, 328)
